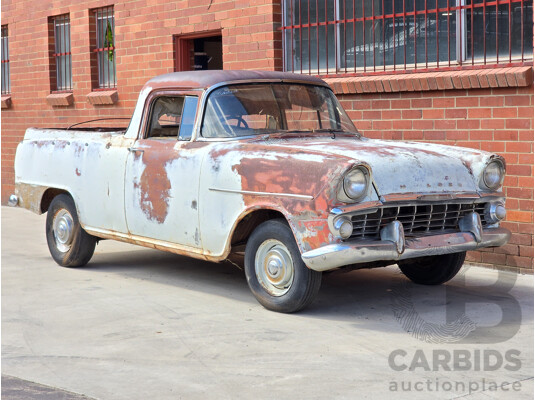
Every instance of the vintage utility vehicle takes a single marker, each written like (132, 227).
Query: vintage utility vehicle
(267, 164)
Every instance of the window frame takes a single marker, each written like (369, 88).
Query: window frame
(61, 76)
(149, 104)
(99, 81)
(6, 70)
(296, 25)
(151, 117)
(201, 118)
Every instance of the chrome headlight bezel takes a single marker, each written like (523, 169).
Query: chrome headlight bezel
(346, 193)
(485, 183)
(495, 212)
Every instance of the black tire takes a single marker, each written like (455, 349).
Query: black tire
(433, 270)
(68, 250)
(276, 237)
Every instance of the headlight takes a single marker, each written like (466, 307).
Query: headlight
(356, 183)
(493, 175)
(344, 227)
(494, 212)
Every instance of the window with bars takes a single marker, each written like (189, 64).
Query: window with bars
(104, 37)
(61, 53)
(6, 80)
(356, 36)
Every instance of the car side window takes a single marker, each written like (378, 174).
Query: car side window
(188, 118)
(166, 116)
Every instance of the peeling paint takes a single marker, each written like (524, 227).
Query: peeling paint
(154, 188)
(154, 181)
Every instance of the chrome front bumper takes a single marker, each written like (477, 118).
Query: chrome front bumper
(393, 246)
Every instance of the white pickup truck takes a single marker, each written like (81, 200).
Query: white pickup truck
(267, 165)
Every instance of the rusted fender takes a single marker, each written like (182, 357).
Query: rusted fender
(238, 177)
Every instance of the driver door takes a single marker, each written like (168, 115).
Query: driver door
(162, 178)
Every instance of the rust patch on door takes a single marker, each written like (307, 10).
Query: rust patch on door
(154, 185)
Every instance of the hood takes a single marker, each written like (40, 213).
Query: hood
(400, 167)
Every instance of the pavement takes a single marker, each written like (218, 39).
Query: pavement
(20, 389)
(137, 323)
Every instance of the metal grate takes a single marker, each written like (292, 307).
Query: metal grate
(379, 36)
(417, 219)
(6, 81)
(105, 47)
(62, 52)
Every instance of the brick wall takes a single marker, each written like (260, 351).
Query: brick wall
(144, 40)
(494, 119)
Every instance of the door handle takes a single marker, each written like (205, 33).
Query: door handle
(135, 150)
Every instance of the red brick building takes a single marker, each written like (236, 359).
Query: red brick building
(451, 71)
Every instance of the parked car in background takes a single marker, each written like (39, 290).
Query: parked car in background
(268, 165)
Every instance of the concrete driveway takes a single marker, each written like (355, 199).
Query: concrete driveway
(143, 324)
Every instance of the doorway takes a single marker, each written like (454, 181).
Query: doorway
(202, 51)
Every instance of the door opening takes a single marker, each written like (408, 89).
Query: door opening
(203, 51)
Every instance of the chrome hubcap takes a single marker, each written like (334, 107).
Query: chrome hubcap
(62, 228)
(274, 267)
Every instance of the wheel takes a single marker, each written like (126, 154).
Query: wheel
(276, 274)
(69, 244)
(433, 270)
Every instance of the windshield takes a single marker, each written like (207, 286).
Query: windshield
(264, 108)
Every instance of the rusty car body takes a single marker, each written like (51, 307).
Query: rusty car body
(267, 164)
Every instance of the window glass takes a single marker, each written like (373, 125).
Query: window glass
(105, 47)
(255, 109)
(6, 84)
(356, 35)
(494, 21)
(166, 115)
(188, 118)
(62, 52)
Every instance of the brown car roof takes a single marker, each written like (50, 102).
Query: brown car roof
(205, 79)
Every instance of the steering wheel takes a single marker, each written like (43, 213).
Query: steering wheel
(239, 118)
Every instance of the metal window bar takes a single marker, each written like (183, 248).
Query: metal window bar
(106, 46)
(6, 79)
(436, 34)
(62, 52)
(468, 23)
(309, 54)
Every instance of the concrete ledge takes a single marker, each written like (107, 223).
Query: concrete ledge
(103, 97)
(500, 267)
(428, 81)
(6, 102)
(60, 99)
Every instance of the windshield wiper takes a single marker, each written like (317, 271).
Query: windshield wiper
(328, 130)
(296, 131)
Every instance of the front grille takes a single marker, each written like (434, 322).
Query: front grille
(417, 219)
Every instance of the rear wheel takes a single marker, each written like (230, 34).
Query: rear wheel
(433, 270)
(69, 244)
(276, 274)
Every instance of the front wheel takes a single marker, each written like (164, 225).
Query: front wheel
(276, 274)
(69, 244)
(433, 270)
